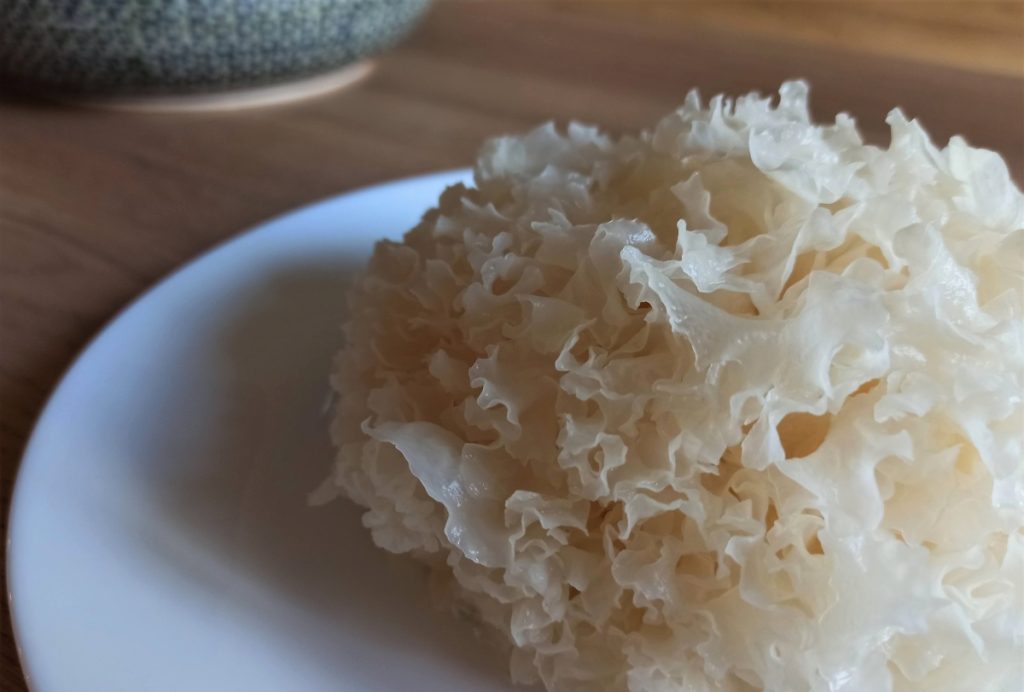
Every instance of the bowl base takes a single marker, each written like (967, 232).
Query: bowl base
(235, 99)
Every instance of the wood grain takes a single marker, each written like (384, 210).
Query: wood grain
(95, 206)
(970, 34)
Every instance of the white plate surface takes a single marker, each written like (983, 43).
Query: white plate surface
(160, 538)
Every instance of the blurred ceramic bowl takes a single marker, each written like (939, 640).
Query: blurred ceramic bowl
(159, 47)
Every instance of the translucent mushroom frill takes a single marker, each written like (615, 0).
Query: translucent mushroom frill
(733, 404)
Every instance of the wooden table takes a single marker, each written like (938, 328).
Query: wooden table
(95, 206)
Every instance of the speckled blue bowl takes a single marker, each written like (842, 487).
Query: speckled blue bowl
(151, 47)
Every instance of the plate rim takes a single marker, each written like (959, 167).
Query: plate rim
(248, 234)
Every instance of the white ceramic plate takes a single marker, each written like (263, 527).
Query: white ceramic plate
(160, 538)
